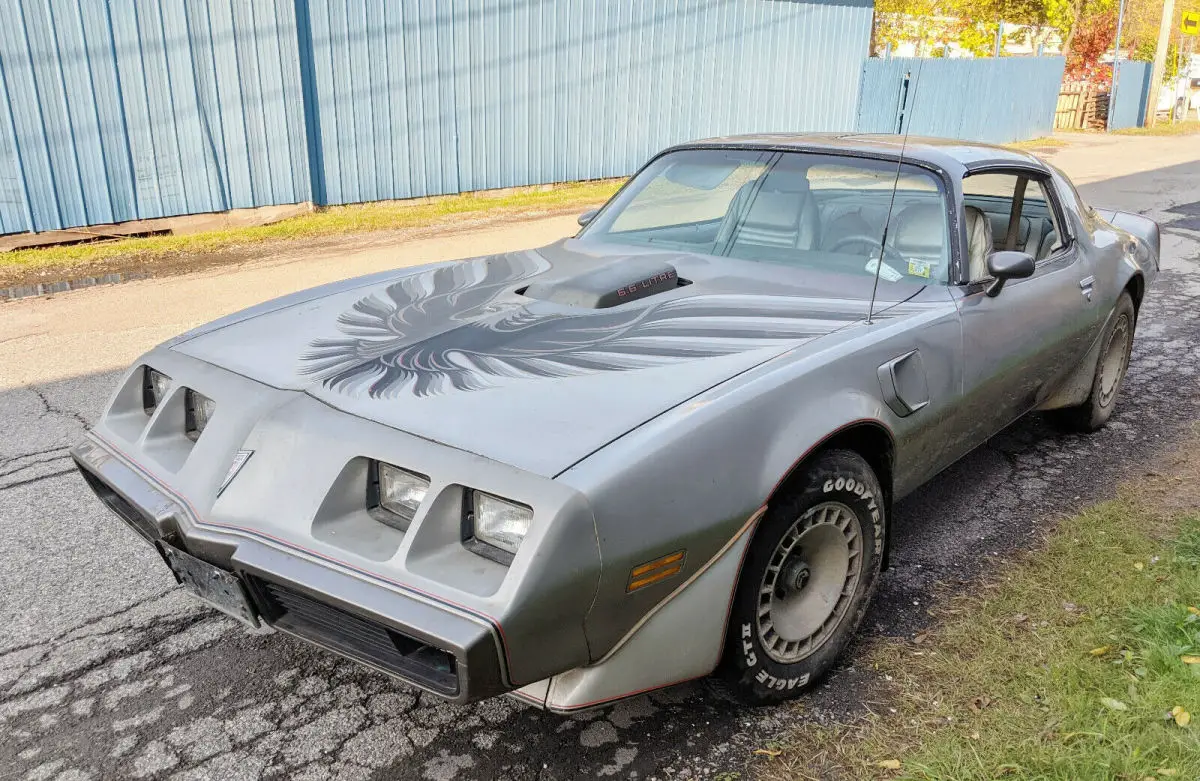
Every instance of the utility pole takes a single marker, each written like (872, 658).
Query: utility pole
(1160, 61)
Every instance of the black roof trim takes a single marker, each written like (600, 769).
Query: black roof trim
(946, 154)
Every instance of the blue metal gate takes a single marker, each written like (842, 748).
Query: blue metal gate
(1132, 90)
(994, 99)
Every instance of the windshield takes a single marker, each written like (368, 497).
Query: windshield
(814, 211)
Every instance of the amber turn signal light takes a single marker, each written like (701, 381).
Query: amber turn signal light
(653, 571)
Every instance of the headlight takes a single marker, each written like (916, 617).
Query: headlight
(200, 409)
(154, 388)
(395, 495)
(499, 522)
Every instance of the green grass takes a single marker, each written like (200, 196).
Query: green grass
(1162, 128)
(1045, 142)
(1066, 667)
(362, 218)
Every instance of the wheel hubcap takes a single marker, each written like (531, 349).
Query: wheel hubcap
(809, 582)
(1116, 357)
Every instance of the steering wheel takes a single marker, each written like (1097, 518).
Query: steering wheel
(889, 253)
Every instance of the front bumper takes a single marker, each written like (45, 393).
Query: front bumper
(445, 649)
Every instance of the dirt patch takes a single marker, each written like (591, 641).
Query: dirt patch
(142, 265)
(1172, 486)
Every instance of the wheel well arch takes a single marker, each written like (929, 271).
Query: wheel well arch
(1136, 287)
(869, 439)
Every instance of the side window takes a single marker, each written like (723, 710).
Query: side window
(1007, 211)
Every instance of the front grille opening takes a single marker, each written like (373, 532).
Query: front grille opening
(357, 637)
(118, 504)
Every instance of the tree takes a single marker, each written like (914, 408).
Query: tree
(1142, 19)
(1144, 52)
(1093, 36)
(924, 23)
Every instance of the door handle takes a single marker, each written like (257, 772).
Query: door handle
(1085, 286)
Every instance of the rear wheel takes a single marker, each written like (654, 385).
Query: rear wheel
(1110, 372)
(807, 580)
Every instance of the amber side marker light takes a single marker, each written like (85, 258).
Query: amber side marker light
(653, 571)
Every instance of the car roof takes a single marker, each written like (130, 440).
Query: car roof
(948, 154)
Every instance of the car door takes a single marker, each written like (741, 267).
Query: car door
(1020, 343)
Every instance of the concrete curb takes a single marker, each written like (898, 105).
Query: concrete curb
(49, 288)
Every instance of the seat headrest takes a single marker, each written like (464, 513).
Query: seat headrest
(775, 207)
(919, 229)
(786, 182)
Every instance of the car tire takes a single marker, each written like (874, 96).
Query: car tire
(821, 541)
(1111, 368)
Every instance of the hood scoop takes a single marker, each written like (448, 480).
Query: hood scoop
(625, 280)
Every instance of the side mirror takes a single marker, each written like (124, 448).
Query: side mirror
(587, 217)
(1006, 265)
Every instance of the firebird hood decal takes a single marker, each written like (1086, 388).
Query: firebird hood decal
(454, 354)
(409, 338)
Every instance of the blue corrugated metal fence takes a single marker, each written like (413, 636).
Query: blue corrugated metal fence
(113, 110)
(993, 99)
(1133, 88)
(435, 97)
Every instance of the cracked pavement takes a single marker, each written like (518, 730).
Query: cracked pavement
(107, 670)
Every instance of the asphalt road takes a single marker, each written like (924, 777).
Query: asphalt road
(108, 671)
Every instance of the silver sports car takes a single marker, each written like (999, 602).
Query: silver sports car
(662, 449)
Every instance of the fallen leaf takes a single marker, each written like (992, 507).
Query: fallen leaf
(1020, 618)
(921, 638)
(768, 752)
(1182, 717)
(1167, 771)
(979, 703)
(974, 736)
(1194, 610)
(1112, 704)
(1101, 651)
(1139, 566)
(888, 764)
(1189, 659)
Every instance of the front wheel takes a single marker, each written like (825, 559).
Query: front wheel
(807, 580)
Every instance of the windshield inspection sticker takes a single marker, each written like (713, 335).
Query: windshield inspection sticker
(919, 268)
(887, 272)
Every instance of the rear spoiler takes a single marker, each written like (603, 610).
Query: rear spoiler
(1144, 228)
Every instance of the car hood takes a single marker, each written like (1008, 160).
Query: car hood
(463, 354)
